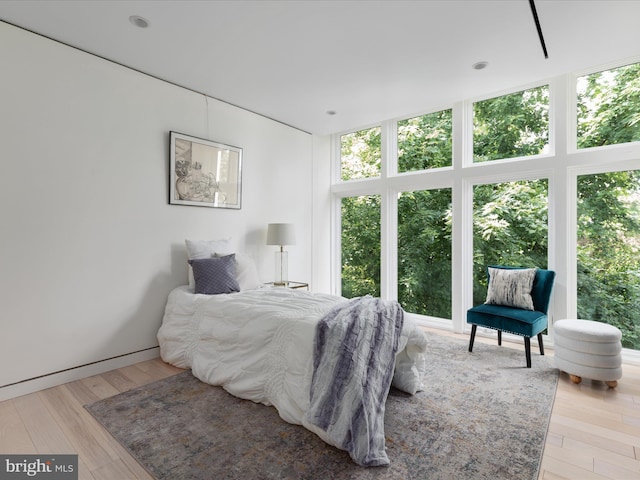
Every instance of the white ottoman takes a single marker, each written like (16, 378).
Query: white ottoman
(584, 348)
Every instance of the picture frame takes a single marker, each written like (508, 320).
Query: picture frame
(204, 173)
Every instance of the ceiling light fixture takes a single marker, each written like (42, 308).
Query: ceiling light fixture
(331, 112)
(139, 21)
(480, 65)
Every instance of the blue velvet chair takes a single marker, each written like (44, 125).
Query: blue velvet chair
(526, 323)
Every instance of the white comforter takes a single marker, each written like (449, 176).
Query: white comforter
(258, 344)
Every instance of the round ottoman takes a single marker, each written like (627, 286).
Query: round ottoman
(584, 348)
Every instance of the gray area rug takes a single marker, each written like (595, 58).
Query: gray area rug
(483, 415)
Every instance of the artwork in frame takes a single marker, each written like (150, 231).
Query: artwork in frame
(204, 173)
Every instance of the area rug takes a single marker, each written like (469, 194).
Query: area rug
(483, 415)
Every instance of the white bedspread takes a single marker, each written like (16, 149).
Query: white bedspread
(258, 344)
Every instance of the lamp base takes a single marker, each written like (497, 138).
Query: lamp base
(282, 267)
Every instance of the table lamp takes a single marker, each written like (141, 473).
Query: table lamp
(281, 234)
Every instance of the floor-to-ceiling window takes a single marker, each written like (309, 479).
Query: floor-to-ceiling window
(608, 203)
(360, 241)
(360, 157)
(534, 176)
(608, 251)
(510, 227)
(424, 252)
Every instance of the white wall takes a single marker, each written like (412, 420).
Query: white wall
(89, 247)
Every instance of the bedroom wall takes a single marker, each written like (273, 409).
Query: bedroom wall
(90, 247)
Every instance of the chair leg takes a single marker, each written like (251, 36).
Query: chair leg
(527, 350)
(473, 336)
(540, 344)
(499, 337)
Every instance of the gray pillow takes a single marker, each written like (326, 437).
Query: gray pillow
(511, 287)
(215, 275)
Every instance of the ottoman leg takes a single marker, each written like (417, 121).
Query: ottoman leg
(612, 383)
(575, 378)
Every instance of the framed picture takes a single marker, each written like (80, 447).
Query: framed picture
(204, 173)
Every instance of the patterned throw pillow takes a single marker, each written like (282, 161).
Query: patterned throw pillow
(511, 287)
(215, 275)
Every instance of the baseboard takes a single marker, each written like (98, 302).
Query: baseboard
(77, 373)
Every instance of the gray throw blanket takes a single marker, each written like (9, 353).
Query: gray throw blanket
(354, 358)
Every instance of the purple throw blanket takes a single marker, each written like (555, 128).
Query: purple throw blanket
(354, 358)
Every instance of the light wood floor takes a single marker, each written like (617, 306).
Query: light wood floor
(594, 431)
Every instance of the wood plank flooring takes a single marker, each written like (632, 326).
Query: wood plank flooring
(594, 431)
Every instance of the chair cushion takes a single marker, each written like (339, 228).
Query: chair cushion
(527, 323)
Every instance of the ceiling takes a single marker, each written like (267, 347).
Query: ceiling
(368, 61)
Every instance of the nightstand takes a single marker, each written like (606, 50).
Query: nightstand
(293, 285)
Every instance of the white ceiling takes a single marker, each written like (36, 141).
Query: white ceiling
(369, 61)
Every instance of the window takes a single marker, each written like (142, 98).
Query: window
(360, 154)
(442, 218)
(510, 227)
(425, 142)
(608, 251)
(361, 246)
(609, 107)
(515, 125)
(424, 252)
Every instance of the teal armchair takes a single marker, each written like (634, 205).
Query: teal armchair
(519, 321)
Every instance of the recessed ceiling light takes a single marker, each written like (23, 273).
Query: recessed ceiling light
(139, 21)
(480, 65)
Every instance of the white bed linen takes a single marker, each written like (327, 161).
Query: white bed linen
(258, 344)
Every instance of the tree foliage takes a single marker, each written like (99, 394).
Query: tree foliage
(425, 142)
(360, 154)
(608, 251)
(609, 107)
(361, 246)
(509, 126)
(424, 252)
(510, 227)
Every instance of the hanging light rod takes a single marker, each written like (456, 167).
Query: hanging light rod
(537, 20)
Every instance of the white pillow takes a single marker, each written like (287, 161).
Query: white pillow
(246, 271)
(511, 287)
(205, 249)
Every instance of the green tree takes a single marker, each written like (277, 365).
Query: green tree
(360, 154)
(425, 142)
(509, 126)
(510, 227)
(609, 107)
(361, 246)
(608, 251)
(424, 252)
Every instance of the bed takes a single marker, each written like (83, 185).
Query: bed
(283, 347)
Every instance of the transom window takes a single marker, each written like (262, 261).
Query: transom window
(425, 142)
(514, 125)
(360, 154)
(609, 107)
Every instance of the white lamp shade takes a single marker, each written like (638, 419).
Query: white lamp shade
(281, 234)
